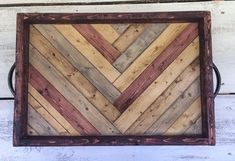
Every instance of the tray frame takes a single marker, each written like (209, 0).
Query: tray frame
(203, 18)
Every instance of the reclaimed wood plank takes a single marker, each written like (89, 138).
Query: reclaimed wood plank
(106, 31)
(46, 116)
(31, 131)
(139, 85)
(92, 54)
(136, 48)
(182, 103)
(45, 88)
(165, 100)
(39, 124)
(75, 58)
(157, 87)
(72, 74)
(147, 57)
(73, 96)
(53, 111)
(186, 120)
(120, 28)
(127, 37)
(98, 41)
(196, 128)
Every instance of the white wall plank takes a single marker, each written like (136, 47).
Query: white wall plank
(223, 151)
(223, 31)
(58, 1)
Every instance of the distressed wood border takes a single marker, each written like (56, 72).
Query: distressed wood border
(20, 137)
(118, 2)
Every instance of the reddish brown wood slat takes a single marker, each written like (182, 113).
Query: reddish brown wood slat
(157, 67)
(98, 41)
(74, 117)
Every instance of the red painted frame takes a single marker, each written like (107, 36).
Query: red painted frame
(20, 137)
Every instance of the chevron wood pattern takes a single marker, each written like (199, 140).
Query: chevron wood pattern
(114, 79)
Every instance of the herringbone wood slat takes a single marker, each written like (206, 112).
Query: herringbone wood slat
(114, 79)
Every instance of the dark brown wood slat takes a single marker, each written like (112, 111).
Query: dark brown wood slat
(98, 41)
(57, 100)
(157, 67)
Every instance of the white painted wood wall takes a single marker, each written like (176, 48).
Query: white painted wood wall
(223, 33)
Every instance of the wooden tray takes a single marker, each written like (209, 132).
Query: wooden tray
(114, 79)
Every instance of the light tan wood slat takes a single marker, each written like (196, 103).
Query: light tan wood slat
(127, 37)
(164, 101)
(72, 94)
(53, 112)
(39, 124)
(106, 30)
(91, 53)
(176, 110)
(196, 128)
(120, 28)
(137, 108)
(186, 120)
(148, 56)
(46, 116)
(74, 76)
(150, 33)
(31, 131)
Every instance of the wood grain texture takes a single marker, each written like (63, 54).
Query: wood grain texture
(120, 28)
(31, 131)
(37, 122)
(165, 100)
(76, 78)
(75, 58)
(128, 36)
(73, 96)
(53, 112)
(106, 31)
(182, 103)
(98, 41)
(147, 57)
(195, 128)
(157, 87)
(95, 57)
(138, 46)
(187, 120)
(46, 116)
(157, 67)
(60, 103)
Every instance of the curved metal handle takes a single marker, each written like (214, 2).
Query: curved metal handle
(217, 74)
(218, 80)
(10, 75)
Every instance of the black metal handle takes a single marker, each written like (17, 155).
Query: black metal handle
(10, 76)
(217, 74)
(218, 80)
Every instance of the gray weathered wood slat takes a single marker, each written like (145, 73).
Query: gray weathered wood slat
(138, 46)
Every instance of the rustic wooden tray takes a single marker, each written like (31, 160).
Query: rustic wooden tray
(114, 79)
